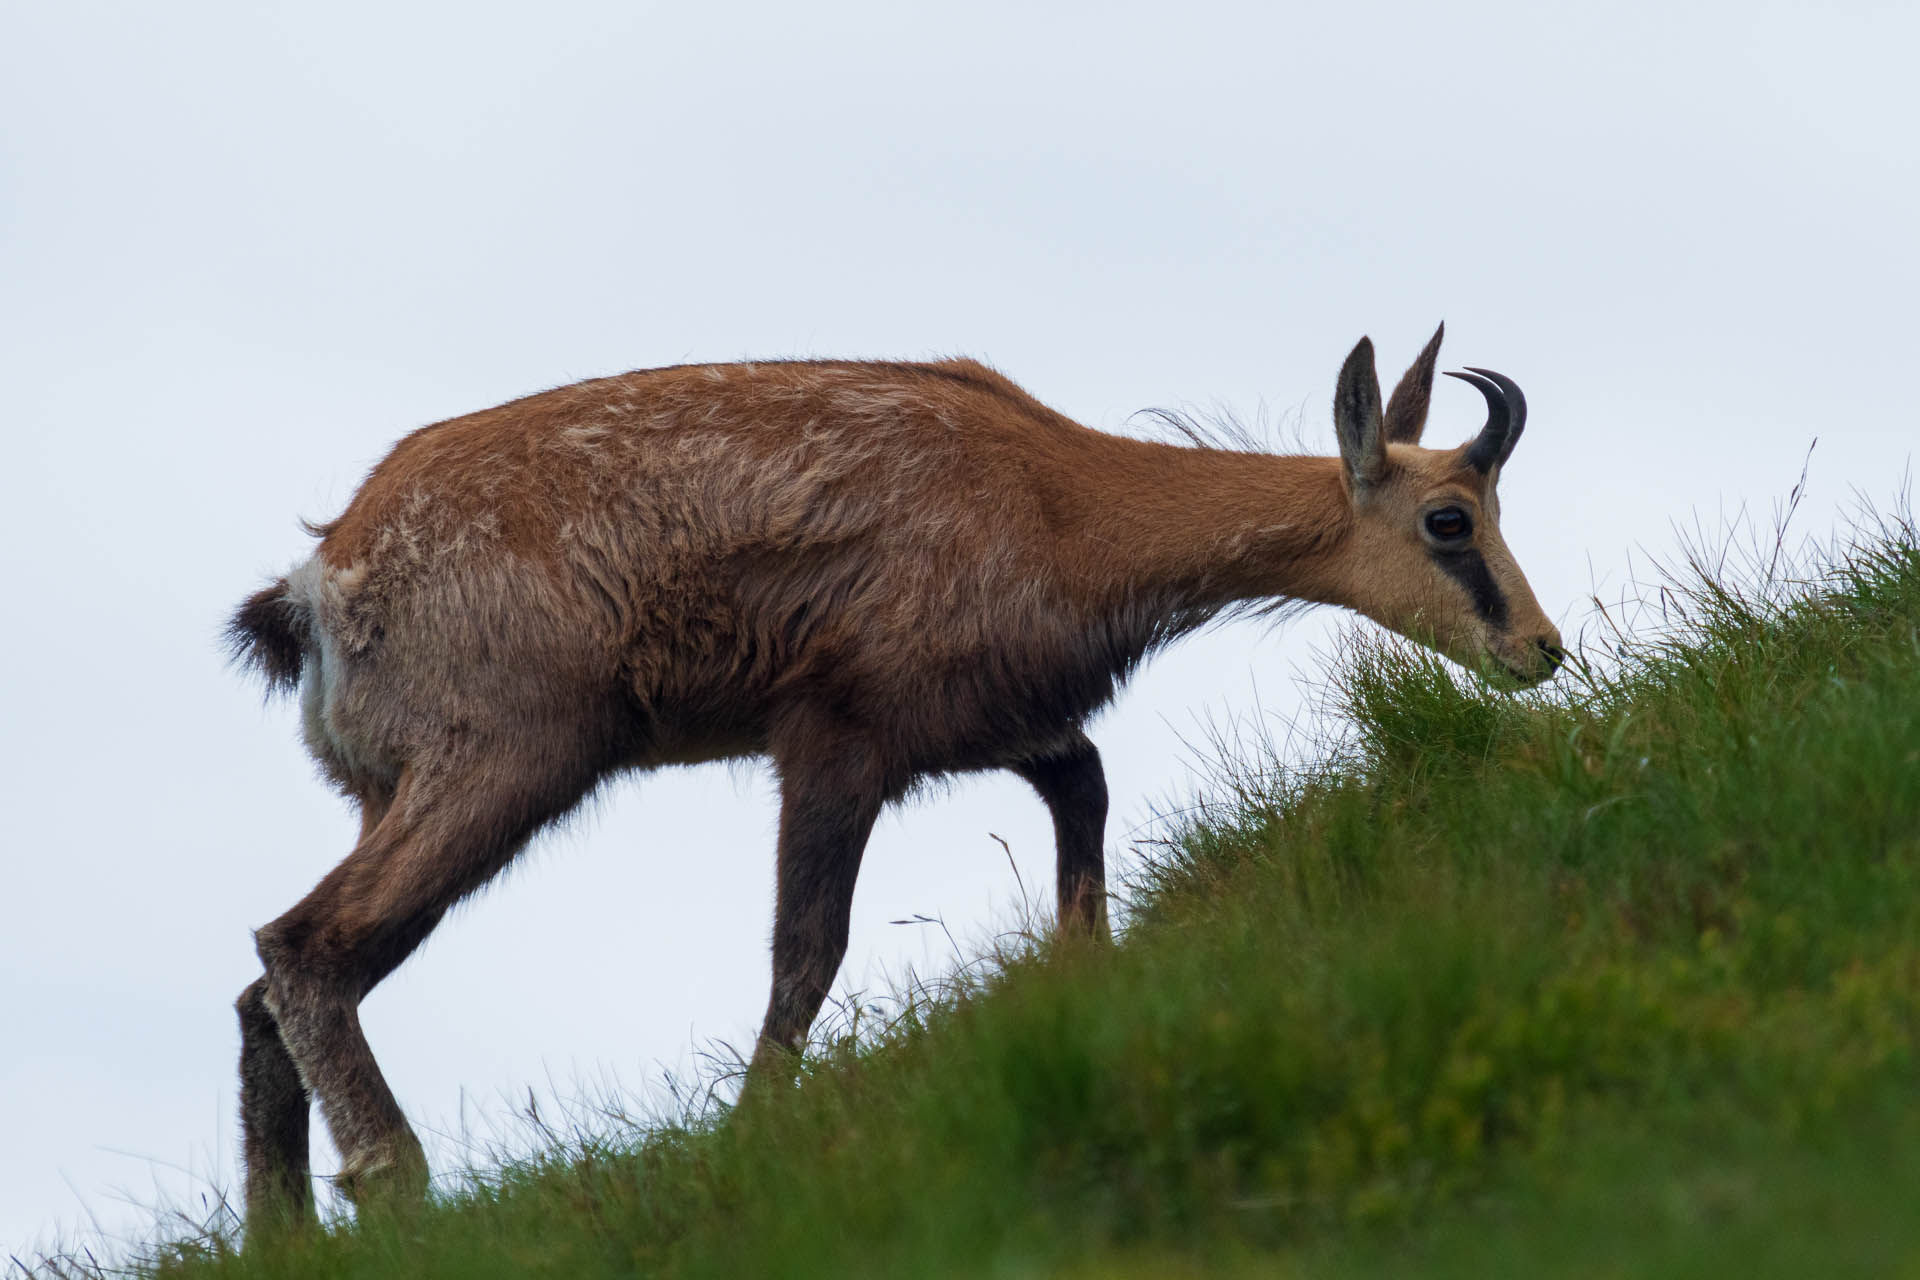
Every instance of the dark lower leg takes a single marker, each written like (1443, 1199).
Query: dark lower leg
(274, 1107)
(1074, 787)
(827, 810)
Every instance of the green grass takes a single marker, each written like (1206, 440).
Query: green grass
(1620, 978)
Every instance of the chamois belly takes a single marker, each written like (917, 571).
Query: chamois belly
(982, 707)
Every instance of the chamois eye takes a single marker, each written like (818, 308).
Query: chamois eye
(1449, 524)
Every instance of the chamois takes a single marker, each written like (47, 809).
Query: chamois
(869, 573)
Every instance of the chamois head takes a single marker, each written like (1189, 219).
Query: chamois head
(1425, 553)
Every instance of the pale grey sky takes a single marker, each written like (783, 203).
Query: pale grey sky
(244, 247)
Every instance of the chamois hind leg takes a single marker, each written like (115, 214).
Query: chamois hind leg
(274, 1103)
(1074, 787)
(274, 1107)
(831, 790)
(452, 826)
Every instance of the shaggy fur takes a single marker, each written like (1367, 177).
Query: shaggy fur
(868, 573)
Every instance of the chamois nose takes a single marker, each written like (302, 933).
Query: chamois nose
(1555, 655)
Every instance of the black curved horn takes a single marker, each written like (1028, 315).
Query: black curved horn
(1506, 417)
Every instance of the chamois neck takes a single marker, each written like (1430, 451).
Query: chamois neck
(1196, 530)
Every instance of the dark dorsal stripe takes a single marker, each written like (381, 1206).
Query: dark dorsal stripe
(1469, 569)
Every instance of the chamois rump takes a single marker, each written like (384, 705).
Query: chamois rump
(869, 573)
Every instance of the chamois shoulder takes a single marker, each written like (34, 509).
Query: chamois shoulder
(933, 380)
(966, 380)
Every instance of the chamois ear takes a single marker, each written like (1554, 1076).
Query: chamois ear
(1407, 407)
(1356, 419)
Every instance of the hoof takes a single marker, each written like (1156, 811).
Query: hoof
(277, 1218)
(393, 1175)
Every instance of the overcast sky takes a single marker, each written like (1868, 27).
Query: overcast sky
(244, 247)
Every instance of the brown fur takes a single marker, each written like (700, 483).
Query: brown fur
(870, 573)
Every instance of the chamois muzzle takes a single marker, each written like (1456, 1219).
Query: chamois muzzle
(1506, 418)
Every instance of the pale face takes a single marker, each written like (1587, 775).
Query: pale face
(1425, 555)
(1434, 567)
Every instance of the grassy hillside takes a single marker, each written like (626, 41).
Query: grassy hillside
(1619, 979)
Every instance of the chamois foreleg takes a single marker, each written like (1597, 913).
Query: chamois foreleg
(831, 791)
(1074, 787)
(451, 828)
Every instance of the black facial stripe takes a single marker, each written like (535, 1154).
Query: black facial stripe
(1469, 569)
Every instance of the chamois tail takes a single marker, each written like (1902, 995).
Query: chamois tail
(270, 634)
